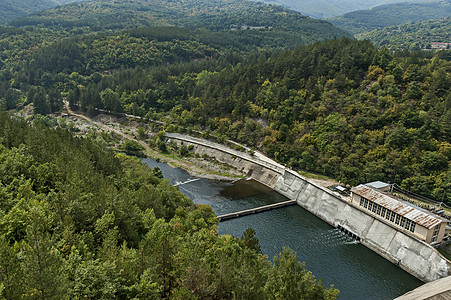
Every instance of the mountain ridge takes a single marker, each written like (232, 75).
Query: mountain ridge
(414, 36)
(392, 14)
(322, 9)
(10, 9)
(211, 15)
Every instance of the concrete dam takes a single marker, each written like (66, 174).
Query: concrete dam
(409, 253)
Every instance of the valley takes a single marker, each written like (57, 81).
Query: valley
(97, 97)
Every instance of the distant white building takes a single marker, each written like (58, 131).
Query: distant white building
(440, 46)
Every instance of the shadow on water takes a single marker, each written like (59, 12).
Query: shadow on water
(356, 271)
(244, 188)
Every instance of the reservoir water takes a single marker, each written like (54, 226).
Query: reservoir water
(330, 255)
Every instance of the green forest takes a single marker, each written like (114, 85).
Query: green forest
(413, 36)
(214, 15)
(392, 14)
(342, 108)
(78, 220)
(11, 9)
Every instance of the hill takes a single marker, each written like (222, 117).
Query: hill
(211, 15)
(392, 14)
(414, 36)
(341, 108)
(11, 9)
(322, 9)
(80, 221)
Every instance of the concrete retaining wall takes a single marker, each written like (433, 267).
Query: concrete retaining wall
(414, 256)
(251, 166)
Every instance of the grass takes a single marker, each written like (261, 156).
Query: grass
(174, 158)
(314, 175)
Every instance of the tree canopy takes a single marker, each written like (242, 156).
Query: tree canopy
(80, 221)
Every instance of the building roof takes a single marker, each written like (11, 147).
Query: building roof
(405, 209)
(377, 184)
(340, 188)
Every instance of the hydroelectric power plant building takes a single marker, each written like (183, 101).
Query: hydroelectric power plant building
(402, 215)
(407, 238)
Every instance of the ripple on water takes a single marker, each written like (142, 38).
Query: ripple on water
(358, 272)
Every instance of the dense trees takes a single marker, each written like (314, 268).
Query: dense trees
(10, 9)
(392, 14)
(217, 15)
(341, 108)
(79, 221)
(412, 36)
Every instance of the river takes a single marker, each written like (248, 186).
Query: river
(337, 259)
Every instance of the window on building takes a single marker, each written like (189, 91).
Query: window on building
(388, 214)
(392, 217)
(436, 229)
(370, 206)
(361, 201)
(398, 217)
(366, 203)
(408, 224)
(374, 207)
(412, 227)
(435, 233)
(403, 221)
(383, 212)
(379, 208)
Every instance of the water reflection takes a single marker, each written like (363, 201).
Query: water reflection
(331, 255)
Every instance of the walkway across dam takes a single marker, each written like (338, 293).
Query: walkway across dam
(404, 250)
(255, 210)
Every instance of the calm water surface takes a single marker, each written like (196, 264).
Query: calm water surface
(355, 270)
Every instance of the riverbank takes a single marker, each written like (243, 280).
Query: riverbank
(330, 254)
(126, 129)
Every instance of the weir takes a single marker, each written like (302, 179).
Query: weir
(409, 253)
(256, 210)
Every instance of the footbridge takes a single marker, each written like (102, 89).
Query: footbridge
(255, 210)
(409, 253)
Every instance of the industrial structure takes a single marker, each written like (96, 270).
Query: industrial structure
(374, 199)
(407, 240)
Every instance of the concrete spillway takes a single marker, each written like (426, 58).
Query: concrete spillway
(413, 255)
(256, 210)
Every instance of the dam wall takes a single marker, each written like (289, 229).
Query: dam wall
(255, 166)
(409, 253)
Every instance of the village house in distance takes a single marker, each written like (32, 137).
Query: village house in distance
(440, 46)
(375, 200)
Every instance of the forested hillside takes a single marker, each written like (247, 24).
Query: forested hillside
(11, 9)
(392, 14)
(340, 108)
(208, 14)
(79, 221)
(321, 9)
(414, 36)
